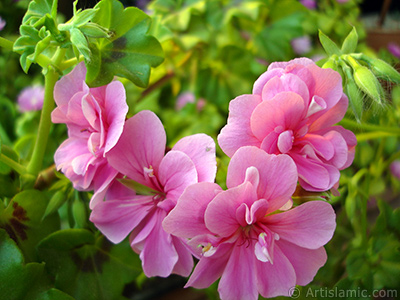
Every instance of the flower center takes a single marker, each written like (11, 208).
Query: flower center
(264, 248)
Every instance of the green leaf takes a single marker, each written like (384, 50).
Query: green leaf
(350, 42)
(22, 219)
(17, 280)
(329, 46)
(137, 187)
(129, 53)
(86, 267)
(39, 8)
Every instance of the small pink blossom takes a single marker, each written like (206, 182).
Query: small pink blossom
(394, 49)
(292, 111)
(95, 118)
(2, 23)
(310, 4)
(140, 156)
(242, 237)
(183, 99)
(395, 168)
(342, 1)
(31, 98)
(301, 45)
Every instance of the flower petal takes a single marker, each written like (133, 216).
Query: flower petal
(117, 218)
(238, 281)
(220, 215)
(284, 111)
(275, 279)
(141, 145)
(277, 174)
(187, 218)
(306, 262)
(237, 132)
(201, 150)
(310, 225)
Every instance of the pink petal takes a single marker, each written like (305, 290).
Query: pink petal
(238, 281)
(278, 174)
(237, 132)
(209, 269)
(275, 279)
(330, 116)
(321, 144)
(285, 141)
(328, 84)
(306, 262)
(201, 150)
(220, 215)
(312, 172)
(117, 218)
(187, 218)
(284, 111)
(176, 172)
(70, 84)
(184, 265)
(264, 78)
(302, 61)
(104, 178)
(310, 225)
(116, 110)
(158, 255)
(141, 145)
(286, 83)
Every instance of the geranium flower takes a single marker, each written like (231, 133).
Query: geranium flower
(95, 119)
(241, 236)
(139, 154)
(31, 98)
(292, 111)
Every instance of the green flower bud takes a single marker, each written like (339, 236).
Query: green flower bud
(94, 30)
(79, 212)
(55, 203)
(383, 69)
(355, 97)
(367, 81)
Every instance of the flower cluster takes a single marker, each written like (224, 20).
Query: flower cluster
(248, 235)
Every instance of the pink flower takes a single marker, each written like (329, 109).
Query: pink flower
(292, 111)
(241, 236)
(2, 23)
(301, 45)
(95, 118)
(310, 4)
(183, 99)
(139, 154)
(394, 49)
(31, 98)
(395, 169)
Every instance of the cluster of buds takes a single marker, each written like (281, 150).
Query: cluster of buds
(362, 75)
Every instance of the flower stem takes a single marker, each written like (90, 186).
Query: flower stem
(6, 44)
(45, 122)
(12, 164)
(369, 127)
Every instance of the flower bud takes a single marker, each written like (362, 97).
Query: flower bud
(367, 82)
(383, 69)
(355, 98)
(330, 64)
(94, 30)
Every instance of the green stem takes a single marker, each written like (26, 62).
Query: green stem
(6, 44)
(51, 78)
(374, 135)
(368, 127)
(45, 122)
(12, 164)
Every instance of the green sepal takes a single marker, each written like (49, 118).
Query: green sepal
(137, 187)
(39, 8)
(79, 40)
(350, 42)
(129, 52)
(329, 46)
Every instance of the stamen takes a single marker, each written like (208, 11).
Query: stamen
(149, 171)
